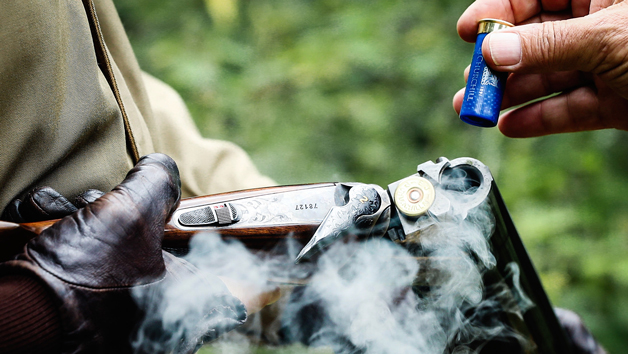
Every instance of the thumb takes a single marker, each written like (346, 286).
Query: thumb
(116, 240)
(591, 44)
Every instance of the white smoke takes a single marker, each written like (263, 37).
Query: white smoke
(373, 297)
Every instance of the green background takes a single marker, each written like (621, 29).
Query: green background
(334, 90)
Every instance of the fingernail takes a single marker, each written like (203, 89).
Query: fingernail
(505, 48)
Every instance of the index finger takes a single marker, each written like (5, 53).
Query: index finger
(573, 111)
(514, 11)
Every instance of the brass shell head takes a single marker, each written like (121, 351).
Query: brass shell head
(414, 196)
(488, 25)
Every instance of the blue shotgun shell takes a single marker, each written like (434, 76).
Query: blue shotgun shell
(485, 87)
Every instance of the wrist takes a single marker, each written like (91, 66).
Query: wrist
(29, 320)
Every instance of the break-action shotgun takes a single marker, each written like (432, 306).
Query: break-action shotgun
(316, 215)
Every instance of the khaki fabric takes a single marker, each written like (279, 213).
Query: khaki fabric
(208, 166)
(61, 124)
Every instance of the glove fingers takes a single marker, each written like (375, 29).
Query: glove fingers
(42, 203)
(45, 203)
(87, 197)
(12, 211)
(120, 233)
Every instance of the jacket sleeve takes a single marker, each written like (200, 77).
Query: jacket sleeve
(207, 166)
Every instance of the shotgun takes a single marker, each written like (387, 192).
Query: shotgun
(316, 215)
(259, 218)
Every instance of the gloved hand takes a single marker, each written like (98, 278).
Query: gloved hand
(582, 340)
(93, 261)
(45, 203)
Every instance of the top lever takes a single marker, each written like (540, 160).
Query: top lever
(366, 213)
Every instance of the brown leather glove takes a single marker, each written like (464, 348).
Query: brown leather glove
(45, 203)
(95, 259)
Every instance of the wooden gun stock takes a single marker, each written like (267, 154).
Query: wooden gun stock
(259, 218)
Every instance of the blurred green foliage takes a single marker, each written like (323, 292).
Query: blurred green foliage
(361, 91)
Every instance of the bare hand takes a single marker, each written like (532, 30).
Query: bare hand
(578, 49)
(253, 298)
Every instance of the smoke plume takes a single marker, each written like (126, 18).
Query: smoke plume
(374, 297)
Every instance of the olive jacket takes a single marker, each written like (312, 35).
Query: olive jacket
(76, 111)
